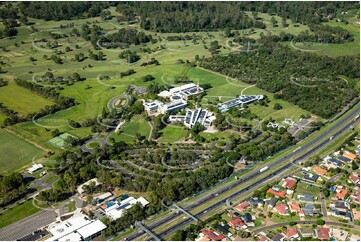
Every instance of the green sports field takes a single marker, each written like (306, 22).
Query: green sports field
(16, 152)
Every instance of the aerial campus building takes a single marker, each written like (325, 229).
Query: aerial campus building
(178, 99)
(201, 116)
(239, 101)
(77, 228)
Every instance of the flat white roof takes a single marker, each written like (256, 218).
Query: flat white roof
(59, 230)
(71, 237)
(186, 86)
(91, 229)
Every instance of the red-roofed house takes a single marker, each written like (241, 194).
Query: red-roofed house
(277, 194)
(289, 183)
(212, 235)
(292, 233)
(242, 206)
(320, 171)
(341, 193)
(294, 207)
(354, 178)
(237, 223)
(323, 233)
(281, 209)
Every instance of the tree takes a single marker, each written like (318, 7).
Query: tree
(320, 222)
(354, 165)
(292, 223)
(105, 14)
(277, 106)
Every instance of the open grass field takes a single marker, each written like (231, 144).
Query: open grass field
(137, 124)
(21, 100)
(172, 134)
(17, 213)
(305, 188)
(15, 152)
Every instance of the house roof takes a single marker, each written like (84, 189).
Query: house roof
(341, 193)
(291, 232)
(281, 208)
(212, 235)
(354, 178)
(344, 158)
(294, 206)
(305, 231)
(311, 177)
(242, 206)
(319, 170)
(289, 183)
(323, 233)
(247, 218)
(278, 237)
(349, 155)
(236, 222)
(278, 194)
(272, 201)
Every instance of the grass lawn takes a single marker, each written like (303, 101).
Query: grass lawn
(304, 188)
(280, 218)
(93, 145)
(22, 100)
(137, 124)
(172, 134)
(216, 136)
(17, 213)
(15, 152)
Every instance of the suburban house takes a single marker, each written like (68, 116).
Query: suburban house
(255, 201)
(289, 183)
(353, 178)
(247, 218)
(237, 223)
(307, 232)
(294, 207)
(292, 233)
(272, 202)
(211, 234)
(319, 171)
(277, 194)
(278, 237)
(282, 209)
(242, 206)
(308, 210)
(305, 197)
(341, 193)
(310, 177)
(323, 233)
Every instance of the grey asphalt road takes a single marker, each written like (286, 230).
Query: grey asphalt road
(27, 225)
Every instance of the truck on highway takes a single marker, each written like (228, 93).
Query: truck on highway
(263, 169)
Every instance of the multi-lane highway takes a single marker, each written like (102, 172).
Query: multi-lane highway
(309, 149)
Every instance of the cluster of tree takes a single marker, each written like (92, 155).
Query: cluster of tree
(181, 157)
(302, 12)
(153, 61)
(49, 77)
(61, 10)
(125, 37)
(127, 73)
(191, 16)
(147, 78)
(11, 116)
(52, 195)
(279, 71)
(129, 56)
(12, 187)
(9, 16)
(197, 128)
(319, 34)
(154, 157)
(268, 144)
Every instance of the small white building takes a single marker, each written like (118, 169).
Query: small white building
(35, 167)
